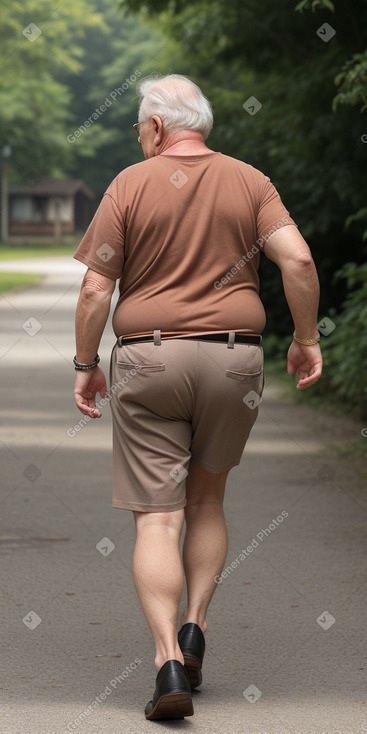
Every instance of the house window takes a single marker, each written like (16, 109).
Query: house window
(59, 208)
(27, 208)
(21, 208)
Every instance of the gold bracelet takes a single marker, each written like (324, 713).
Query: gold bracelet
(306, 342)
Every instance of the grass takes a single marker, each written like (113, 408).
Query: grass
(17, 281)
(19, 252)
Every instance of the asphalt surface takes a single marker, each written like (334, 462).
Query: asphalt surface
(286, 644)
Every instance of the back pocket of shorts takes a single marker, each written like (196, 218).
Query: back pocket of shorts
(142, 367)
(242, 375)
(141, 364)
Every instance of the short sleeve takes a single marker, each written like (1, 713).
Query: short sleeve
(102, 247)
(272, 214)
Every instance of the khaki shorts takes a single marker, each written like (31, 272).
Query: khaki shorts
(180, 400)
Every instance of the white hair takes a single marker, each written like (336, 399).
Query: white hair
(177, 100)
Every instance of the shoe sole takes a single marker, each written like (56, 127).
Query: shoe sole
(193, 669)
(172, 706)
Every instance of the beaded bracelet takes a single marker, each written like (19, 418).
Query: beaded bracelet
(86, 366)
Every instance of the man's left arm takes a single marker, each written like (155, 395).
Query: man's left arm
(92, 312)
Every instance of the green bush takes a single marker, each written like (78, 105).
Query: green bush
(345, 349)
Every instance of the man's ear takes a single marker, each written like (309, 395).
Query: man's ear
(158, 127)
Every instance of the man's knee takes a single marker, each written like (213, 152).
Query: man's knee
(159, 519)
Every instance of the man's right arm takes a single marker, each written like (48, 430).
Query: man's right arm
(287, 248)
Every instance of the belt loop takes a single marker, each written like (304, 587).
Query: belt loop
(157, 337)
(119, 341)
(231, 338)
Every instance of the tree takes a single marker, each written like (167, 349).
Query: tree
(67, 88)
(115, 58)
(352, 88)
(37, 42)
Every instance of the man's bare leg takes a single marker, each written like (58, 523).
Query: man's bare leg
(205, 545)
(158, 578)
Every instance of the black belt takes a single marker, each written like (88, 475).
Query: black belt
(239, 338)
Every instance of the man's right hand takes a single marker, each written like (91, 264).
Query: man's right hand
(307, 361)
(87, 384)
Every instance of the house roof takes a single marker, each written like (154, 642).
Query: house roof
(53, 187)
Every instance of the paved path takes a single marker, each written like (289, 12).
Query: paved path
(286, 644)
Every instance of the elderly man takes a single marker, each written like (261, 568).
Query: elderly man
(183, 231)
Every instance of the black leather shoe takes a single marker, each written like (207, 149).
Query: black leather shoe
(192, 643)
(172, 696)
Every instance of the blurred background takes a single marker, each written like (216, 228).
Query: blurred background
(68, 101)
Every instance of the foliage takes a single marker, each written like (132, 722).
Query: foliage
(114, 57)
(315, 5)
(35, 105)
(352, 84)
(352, 81)
(345, 349)
(53, 84)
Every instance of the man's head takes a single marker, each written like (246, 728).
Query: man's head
(170, 105)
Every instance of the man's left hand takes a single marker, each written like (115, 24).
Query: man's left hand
(87, 384)
(307, 361)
